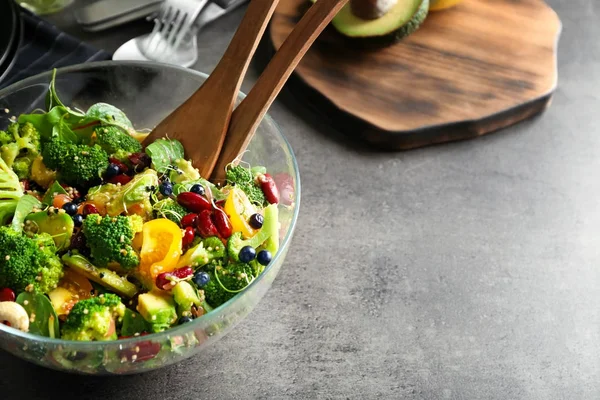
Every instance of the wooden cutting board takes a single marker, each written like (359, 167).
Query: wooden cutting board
(469, 70)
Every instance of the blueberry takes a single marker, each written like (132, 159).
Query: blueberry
(201, 279)
(256, 221)
(247, 254)
(184, 320)
(198, 189)
(166, 188)
(112, 170)
(264, 257)
(77, 219)
(70, 208)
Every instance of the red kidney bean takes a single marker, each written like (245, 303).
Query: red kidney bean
(122, 167)
(285, 184)
(267, 184)
(193, 202)
(222, 223)
(188, 236)
(206, 226)
(89, 209)
(7, 294)
(122, 179)
(189, 220)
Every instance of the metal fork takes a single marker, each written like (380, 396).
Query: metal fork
(174, 22)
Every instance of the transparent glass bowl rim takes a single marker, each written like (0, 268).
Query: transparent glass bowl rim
(181, 329)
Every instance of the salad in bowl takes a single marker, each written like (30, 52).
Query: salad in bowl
(104, 240)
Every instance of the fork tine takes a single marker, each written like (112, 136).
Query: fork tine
(153, 39)
(189, 23)
(178, 28)
(168, 23)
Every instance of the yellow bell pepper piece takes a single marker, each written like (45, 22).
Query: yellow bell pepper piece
(239, 209)
(161, 249)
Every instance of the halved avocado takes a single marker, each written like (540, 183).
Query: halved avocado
(399, 21)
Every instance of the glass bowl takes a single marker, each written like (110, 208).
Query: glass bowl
(147, 92)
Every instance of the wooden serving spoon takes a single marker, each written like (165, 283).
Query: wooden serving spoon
(248, 115)
(201, 122)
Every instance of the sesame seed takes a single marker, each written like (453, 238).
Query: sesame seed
(76, 158)
(136, 334)
(7, 258)
(134, 357)
(26, 302)
(123, 360)
(29, 288)
(84, 153)
(209, 248)
(153, 318)
(32, 318)
(86, 311)
(6, 110)
(122, 239)
(137, 349)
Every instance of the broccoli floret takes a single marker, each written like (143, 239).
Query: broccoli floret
(134, 197)
(77, 164)
(110, 240)
(244, 179)
(208, 250)
(226, 282)
(94, 319)
(20, 145)
(269, 229)
(28, 264)
(169, 209)
(183, 171)
(117, 142)
(10, 192)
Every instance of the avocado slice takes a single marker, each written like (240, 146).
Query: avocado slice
(185, 296)
(399, 21)
(158, 309)
(133, 323)
(58, 225)
(104, 276)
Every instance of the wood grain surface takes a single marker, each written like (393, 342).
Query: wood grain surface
(469, 70)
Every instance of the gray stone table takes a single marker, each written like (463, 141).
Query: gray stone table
(462, 271)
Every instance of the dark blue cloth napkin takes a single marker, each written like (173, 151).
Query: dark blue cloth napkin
(44, 47)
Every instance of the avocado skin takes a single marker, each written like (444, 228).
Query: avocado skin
(394, 36)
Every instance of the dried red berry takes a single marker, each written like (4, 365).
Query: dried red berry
(122, 179)
(183, 272)
(122, 167)
(7, 294)
(140, 161)
(89, 209)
